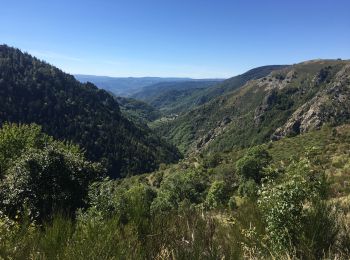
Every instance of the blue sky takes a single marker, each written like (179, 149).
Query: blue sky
(194, 38)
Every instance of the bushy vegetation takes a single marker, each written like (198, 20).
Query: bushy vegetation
(193, 209)
(40, 176)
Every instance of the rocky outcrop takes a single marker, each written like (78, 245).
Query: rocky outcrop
(212, 134)
(266, 104)
(322, 75)
(331, 105)
(277, 80)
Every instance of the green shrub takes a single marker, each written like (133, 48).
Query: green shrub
(16, 139)
(252, 164)
(42, 176)
(211, 161)
(289, 209)
(232, 203)
(177, 187)
(248, 189)
(218, 194)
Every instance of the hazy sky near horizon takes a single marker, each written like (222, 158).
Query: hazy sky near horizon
(181, 38)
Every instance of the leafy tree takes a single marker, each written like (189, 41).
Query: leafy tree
(42, 176)
(218, 194)
(15, 139)
(252, 165)
(289, 209)
(180, 187)
(248, 189)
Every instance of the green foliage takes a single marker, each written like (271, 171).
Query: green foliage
(211, 161)
(232, 204)
(289, 207)
(320, 229)
(179, 188)
(16, 139)
(106, 199)
(252, 165)
(40, 175)
(218, 194)
(119, 223)
(126, 204)
(248, 189)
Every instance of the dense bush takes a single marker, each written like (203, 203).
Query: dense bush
(290, 207)
(40, 175)
(181, 187)
(218, 194)
(17, 139)
(252, 165)
(108, 199)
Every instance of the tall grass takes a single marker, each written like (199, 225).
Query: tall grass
(185, 234)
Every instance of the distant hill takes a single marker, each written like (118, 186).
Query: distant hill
(286, 102)
(173, 97)
(126, 86)
(34, 91)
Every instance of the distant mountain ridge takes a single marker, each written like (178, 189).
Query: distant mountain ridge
(126, 86)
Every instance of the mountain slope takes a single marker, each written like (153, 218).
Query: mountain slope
(34, 91)
(289, 101)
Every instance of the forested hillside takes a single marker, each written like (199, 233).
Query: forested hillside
(32, 91)
(286, 102)
(234, 83)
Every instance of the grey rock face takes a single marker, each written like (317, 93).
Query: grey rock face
(331, 105)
